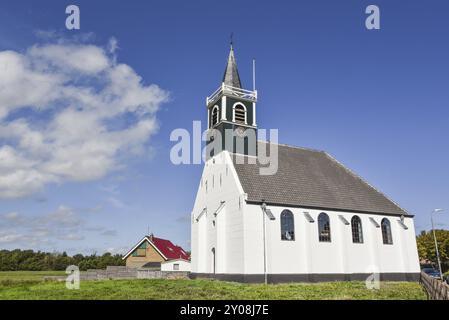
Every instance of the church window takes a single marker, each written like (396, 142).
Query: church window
(240, 113)
(357, 233)
(324, 228)
(287, 226)
(386, 231)
(215, 116)
(176, 267)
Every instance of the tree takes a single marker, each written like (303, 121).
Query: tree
(426, 246)
(28, 260)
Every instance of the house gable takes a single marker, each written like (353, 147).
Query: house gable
(145, 252)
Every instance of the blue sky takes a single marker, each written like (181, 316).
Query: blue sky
(376, 100)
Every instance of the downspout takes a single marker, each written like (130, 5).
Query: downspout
(264, 246)
(270, 215)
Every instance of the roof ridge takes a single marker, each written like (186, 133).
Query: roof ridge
(293, 147)
(364, 181)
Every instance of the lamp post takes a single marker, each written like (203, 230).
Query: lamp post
(435, 239)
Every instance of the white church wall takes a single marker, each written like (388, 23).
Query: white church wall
(253, 240)
(306, 254)
(237, 236)
(220, 231)
(411, 246)
(223, 232)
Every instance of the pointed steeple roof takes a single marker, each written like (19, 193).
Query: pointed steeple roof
(231, 76)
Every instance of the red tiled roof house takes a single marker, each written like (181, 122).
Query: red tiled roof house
(152, 252)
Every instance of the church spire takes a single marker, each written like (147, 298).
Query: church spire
(231, 110)
(231, 76)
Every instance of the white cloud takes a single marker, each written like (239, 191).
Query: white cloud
(113, 45)
(64, 223)
(63, 217)
(81, 115)
(86, 59)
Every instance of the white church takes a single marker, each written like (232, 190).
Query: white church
(313, 220)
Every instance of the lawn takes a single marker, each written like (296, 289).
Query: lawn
(30, 286)
(27, 275)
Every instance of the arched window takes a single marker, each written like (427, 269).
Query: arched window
(215, 116)
(239, 113)
(386, 231)
(357, 233)
(287, 226)
(324, 228)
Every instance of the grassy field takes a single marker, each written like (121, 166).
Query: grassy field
(29, 285)
(27, 275)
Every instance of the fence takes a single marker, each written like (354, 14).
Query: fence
(122, 272)
(111, 272)
(435, 288)
(151, 274)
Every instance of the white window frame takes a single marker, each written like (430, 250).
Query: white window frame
(233, 111)
(212, 116)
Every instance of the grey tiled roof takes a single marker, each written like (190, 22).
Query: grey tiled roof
(231, 75)
(312, 179)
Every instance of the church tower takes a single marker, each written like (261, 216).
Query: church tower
(231, 114)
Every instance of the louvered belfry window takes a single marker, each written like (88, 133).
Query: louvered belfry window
(240, 113)
(215, 115)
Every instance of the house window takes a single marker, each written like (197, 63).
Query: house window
(386, 231)
(141, 251)
(357, 233)
(176, 267)
(324, 228)
(215, 115)
(240, 113)
(287, 226)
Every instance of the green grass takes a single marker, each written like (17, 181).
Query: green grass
(30, 286)
(27, 275)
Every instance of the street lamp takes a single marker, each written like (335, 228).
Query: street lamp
(435, 239)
